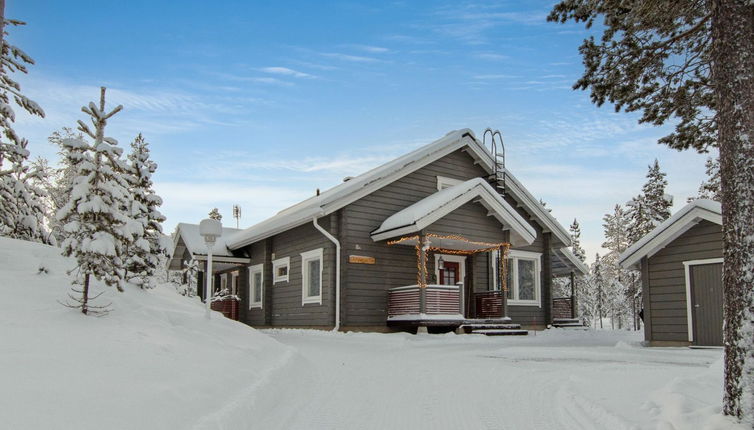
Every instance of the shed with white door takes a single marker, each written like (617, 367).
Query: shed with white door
(681, 270)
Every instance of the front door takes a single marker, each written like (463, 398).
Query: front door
(707, 303)
(450, 273)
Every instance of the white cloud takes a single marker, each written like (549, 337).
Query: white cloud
(351, 58)
(369, 48)
(286, 72)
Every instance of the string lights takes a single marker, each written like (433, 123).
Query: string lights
(423, 245)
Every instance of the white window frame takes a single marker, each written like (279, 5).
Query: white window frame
(445, 182)
(460, 259)
(276, 264)
(234, 282)
(314, 254)
(256, 302)
(513, 257)
(687, 274)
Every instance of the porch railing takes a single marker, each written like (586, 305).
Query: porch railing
(489, 304)
(439, 301)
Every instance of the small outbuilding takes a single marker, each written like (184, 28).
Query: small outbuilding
(681, 270)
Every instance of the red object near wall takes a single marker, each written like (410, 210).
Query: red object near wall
(228, 305)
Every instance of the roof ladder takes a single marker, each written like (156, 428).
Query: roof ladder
(497, 149)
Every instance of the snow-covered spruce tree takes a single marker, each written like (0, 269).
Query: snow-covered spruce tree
(215, 214)
(575, 230)
(20, 205)
(95, 224)
(639, 221)
(59, 187)
(692, 64)
(617, 295)
(598, 286)
(143, 255)
(710, 188)
(658, 203)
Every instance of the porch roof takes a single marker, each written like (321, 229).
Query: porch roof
(564, 262)
(430, 209)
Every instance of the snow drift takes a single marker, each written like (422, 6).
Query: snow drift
(154, 362)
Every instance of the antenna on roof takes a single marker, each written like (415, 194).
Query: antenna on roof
(497, 149)
(237, 213)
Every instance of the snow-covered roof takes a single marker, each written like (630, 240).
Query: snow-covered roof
(564, 262)
(348, 192)
(430, 209)
(670, 229)
(195, 242)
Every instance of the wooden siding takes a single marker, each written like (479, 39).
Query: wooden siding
(666, 281)
(282, 301)
(365, 286)
(530, 316)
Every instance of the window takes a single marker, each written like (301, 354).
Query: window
(444, 182)
(280, 269)
(256, 286)
(234, 283)
(522, 278)
(311, 273)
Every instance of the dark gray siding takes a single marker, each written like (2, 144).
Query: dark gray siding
(365, 286)
(667, 282)
(530, 315)
(282, 301)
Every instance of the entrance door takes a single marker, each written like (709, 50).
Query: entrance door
(450, 274)
(707, 303)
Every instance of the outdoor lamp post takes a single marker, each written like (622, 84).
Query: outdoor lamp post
(210, 230)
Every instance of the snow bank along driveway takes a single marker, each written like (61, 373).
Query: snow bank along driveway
(552, 380)
(155, 362)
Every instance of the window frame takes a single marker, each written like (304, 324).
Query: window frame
(253, 302)
(306, 257)
(513, 257)
(276, 264)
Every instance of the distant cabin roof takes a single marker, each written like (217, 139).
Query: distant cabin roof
(671, 229)
(195, 242)
(430, 209)
(357, 187)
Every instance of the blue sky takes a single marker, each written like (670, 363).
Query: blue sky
(260, 103)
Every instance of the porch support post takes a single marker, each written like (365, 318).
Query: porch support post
(503, 263)
(422, 273)
(573, 295)
(547, 280)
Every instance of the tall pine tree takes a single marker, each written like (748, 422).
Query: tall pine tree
(649, 208)
(691, 64)
(21, 208)
(96, 227)
(144, 254)
(575, 230)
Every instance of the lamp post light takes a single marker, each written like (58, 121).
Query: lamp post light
(210, 230)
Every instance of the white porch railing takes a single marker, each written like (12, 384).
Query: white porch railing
(435, 302)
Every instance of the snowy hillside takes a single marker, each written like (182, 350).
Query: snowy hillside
(154, 362)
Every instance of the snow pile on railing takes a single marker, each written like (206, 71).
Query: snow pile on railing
(153, 362)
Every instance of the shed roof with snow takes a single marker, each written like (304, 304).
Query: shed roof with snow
(670, 229)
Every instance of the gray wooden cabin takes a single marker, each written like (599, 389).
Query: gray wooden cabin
(681, 271)
(350, 257)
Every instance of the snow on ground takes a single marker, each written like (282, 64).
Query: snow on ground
(558, 379)
(155, 362)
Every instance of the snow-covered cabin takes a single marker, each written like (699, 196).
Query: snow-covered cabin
(416, 242)
(681, 273)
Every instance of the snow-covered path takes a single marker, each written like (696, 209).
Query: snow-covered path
(555, 380)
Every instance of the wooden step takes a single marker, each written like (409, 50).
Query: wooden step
(500, 332)
(567, 321)
(491, 326)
